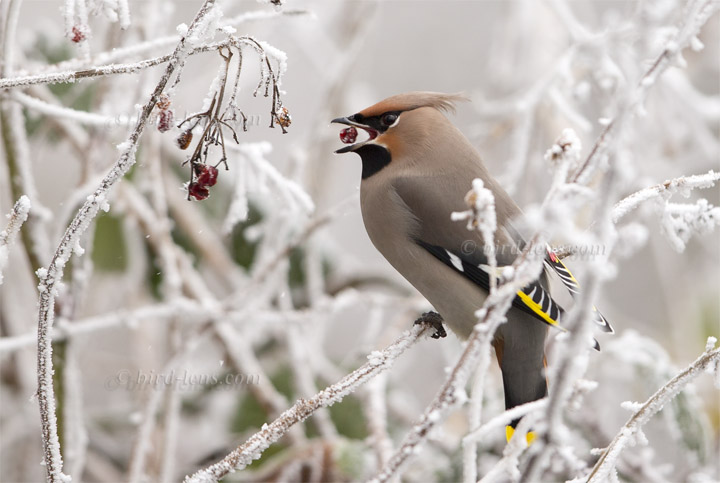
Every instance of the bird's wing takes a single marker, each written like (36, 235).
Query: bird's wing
(532, 299)
(431, 201)
(552, 262)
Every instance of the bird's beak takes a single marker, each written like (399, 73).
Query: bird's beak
(349, 122)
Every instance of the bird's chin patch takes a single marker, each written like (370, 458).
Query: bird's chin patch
(372, 134)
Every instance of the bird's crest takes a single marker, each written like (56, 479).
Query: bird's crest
(414, 100)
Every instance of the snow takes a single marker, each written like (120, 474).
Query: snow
(695, 44)
(16, 218)
(710, 344)
(182, 29)
(681, 221)
(124, 14)
(279, 56)
(565, 150)
(631, 406)
(256, 174)
(204, 31)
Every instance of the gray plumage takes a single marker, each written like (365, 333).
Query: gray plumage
(408, 196)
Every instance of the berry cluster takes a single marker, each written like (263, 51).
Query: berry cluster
(216, 125)
(206, 176)
(78, 34)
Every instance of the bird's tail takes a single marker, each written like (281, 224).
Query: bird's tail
(520, 351)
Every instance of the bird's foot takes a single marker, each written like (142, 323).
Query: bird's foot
(433, 320)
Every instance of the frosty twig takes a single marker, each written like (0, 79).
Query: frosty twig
(710, 360)
(52, 275)
(17, 217)
(304, 408)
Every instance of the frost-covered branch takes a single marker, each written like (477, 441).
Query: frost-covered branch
(116, 54)
(503, 419)
(481, 217)
(683, 185)
(697, 13)
(16, 218)
(378, 362)
(51, 276)
(709, 361)
(81, 117)
(70, 76)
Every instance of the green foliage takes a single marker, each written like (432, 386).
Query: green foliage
(241, 249)
(109, 252)
(349, 418)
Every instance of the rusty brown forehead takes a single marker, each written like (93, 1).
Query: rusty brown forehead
(387, 105)
(413, 100)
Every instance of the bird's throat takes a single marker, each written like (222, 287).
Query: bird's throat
(374, 158)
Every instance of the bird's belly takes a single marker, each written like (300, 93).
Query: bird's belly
(455, 297)
(390, 229)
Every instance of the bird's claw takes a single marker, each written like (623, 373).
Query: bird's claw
(435, 321)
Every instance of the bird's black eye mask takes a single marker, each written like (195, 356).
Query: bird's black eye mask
(379, 123)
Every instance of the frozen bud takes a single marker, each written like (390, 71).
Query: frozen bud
(283, 117)
(184, 139)
(163, 102)
(165, 120)
(206, 175)
(348, 135)
(198, 191)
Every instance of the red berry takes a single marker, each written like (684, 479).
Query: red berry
(207, 175)
(165, 120)
(348, 135)
(197, 191)
(78, 34)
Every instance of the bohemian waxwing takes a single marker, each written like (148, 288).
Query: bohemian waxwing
(416, 169)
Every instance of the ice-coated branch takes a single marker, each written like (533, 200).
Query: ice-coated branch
(378, 361)
(681, 220)
(160, 313)
(696, 14)
(104, 70)
(52, 275)
(481, 217)
(81, 117)
(683, 184)
(708, 361)
(503, 419)
(120, 53)
(16, 218)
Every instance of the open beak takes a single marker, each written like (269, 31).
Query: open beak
(350, 122)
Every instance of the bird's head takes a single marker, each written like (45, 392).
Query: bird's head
(395, 126)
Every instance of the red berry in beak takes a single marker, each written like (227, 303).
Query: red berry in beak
(207, 176)
(197, 191)
(348, 135)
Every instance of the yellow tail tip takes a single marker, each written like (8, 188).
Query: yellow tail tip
(529, 437)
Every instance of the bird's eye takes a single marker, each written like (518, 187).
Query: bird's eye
(389, 119)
